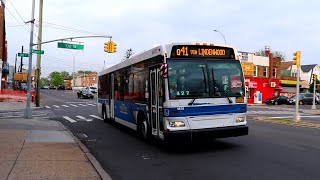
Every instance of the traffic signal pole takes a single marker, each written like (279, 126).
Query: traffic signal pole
(28, 111)
(38, 69)
(314, 92)
(296, 59)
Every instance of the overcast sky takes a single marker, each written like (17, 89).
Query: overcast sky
(249, 25)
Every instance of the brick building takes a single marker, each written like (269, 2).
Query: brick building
(262, 77)
(86, 80)
(3, 50)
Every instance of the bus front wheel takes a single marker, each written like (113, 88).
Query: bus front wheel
(144, 130)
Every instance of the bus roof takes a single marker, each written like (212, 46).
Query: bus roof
(156, 51)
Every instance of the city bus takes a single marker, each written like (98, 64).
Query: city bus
(179, 91)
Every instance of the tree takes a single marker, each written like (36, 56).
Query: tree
(279, 54)
(65, 75)
(44, 81)
(127, 54)
(311, 86)
(56, 78)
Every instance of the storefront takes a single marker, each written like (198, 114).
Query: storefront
(258, 90)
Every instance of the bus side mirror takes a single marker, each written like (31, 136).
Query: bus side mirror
(163, 70)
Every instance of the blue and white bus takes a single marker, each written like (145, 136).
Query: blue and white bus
(177, 91)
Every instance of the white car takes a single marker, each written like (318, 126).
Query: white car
(93, 89)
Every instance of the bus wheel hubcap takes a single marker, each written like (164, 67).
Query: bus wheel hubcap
(144, 129)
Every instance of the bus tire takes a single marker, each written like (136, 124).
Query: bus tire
(144, 129)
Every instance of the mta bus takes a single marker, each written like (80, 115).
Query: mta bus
(177, 91)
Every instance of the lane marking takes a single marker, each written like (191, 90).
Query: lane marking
(73, 105)
(82, 105)
(83, 118)
(91, 104)
(97, 117)
(56, 106)
(48, 107)
(65, 106)
(69, 119)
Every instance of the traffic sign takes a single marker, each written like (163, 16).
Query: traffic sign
(35, 51)
(23, 54)
(70, 46)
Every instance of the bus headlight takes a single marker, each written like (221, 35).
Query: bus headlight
(240, 119)
(176, 124)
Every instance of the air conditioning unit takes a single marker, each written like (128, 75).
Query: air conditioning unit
(273, 84)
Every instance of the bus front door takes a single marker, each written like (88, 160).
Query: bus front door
(156, 98)
(112, 97)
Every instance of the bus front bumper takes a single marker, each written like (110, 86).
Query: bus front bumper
(206, 134)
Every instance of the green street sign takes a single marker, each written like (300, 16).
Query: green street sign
(23, 54)
(70, 46)
(35, 51)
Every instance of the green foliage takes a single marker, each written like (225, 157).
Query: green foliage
(127, 54)
(84, 72)
(66, 75)
(311, 86)
(56, 78)
(280, 54)
(44, 81)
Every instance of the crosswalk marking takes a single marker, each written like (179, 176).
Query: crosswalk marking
(69, 119)
(48, 107)
(65, 106)
(56, 106)
(97, 117)
(83, 118)
(82, 105)
(91, 105)
(73, 105)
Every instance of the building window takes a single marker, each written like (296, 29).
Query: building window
(255, 71)
(274, 73)
(265, 71)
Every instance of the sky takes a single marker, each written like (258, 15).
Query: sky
(248, 25)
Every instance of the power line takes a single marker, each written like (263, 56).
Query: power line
(16, 11)
(68, 28)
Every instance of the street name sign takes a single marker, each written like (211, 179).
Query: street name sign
(23, 54)
(70, 46)
(35, 51)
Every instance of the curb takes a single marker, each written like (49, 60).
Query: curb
(102, 173)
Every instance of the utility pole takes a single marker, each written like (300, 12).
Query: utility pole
(28, 112)
(38, 69)
(21, 60)
(15, 71)
(314, 91)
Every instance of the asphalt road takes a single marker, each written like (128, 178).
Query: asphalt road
(270, 151)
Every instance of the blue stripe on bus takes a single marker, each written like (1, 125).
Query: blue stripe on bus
(205, 110)
(125, 110)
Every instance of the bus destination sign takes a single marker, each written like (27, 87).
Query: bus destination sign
(192, 51)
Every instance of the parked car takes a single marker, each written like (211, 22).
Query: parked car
(278, 100)
(60, 87)
(85, 93)
(304, 98)
(52, 87)
(45, 87)
(93, 89)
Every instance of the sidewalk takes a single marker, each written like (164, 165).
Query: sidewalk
(311, 111)
(15, 106)
(44, 149)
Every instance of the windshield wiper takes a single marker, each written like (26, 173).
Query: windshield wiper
(220, 86)
(205, 86)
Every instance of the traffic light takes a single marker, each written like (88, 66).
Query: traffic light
(114, 47)
(106, 47)
(314, 76)
(296, 58)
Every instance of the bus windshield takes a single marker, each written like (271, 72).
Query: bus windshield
(204, 78)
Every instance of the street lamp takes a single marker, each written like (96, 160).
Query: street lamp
(225, 42)
(74, 62)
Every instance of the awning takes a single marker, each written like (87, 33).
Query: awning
(289, 82)
(304, 84)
